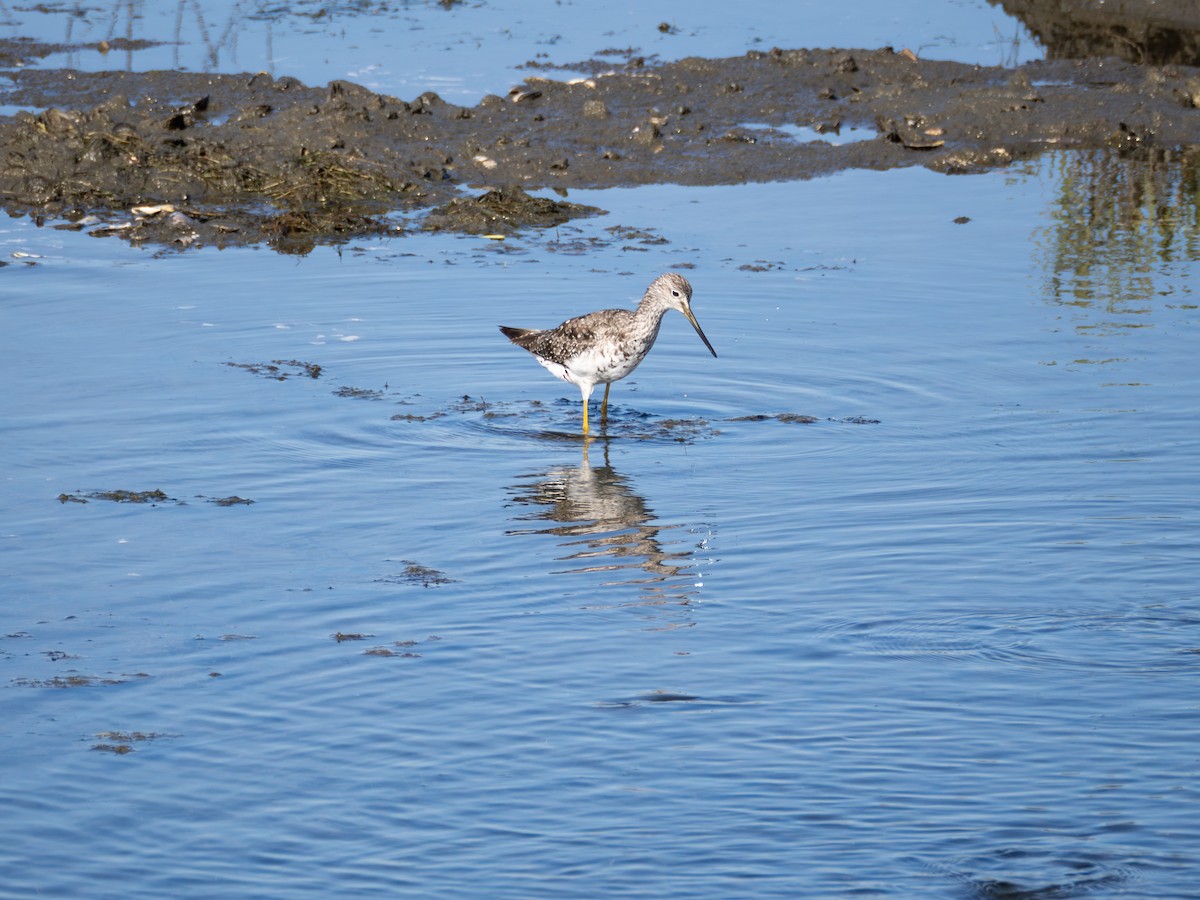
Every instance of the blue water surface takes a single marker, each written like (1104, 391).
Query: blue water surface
(465, 50)
(895, 598)
(940, 640)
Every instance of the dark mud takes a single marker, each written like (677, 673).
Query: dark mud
(182, 159)
(153, 498)
(1158, 32)
(280, 369)
(417, 574)
(122, 742)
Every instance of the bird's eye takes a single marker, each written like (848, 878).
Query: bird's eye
(674, 293)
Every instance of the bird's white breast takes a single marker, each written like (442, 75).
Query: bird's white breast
(598, 365)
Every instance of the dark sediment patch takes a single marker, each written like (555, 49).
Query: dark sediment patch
(122, 742)
(154, 497)
(280, 369)
(1159, 32)
(253, 158)
(76, 680)
(416, 574)
(503, 211)
(120, 495)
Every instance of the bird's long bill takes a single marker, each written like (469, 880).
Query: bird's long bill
(691, 318)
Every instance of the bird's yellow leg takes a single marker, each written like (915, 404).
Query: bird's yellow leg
(585, 421)
(604, 405)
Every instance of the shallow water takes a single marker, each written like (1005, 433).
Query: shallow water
(942, 640)
(466, 50)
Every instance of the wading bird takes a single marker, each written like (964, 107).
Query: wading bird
(605, 346)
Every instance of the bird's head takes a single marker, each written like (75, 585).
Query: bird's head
(672, 291)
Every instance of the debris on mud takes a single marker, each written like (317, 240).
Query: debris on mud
(183, 159)
(503, 211)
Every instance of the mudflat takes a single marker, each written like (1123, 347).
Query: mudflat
(184, 158)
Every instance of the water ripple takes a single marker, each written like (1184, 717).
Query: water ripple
(1037, 874)
(1149, 640)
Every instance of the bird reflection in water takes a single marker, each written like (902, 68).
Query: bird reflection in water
(609, 528)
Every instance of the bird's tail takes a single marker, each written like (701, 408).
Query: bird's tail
(519, 336)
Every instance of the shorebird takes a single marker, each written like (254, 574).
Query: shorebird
(605, 346)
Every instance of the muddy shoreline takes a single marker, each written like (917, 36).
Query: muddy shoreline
(184, 159)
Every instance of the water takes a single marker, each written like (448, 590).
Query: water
(941, 641)
(895, 598)
(466, 50)
(805, 133)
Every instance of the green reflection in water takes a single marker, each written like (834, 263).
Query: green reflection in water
(1124, 232)
(1117, 257)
